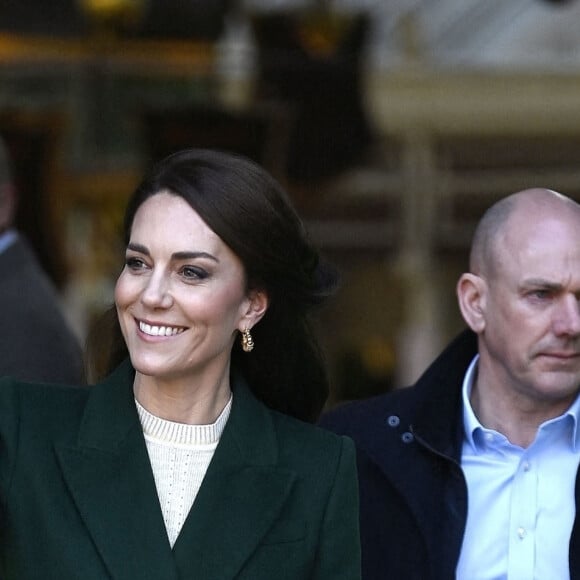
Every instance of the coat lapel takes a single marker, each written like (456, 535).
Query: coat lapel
(109, 476)
(240, 498)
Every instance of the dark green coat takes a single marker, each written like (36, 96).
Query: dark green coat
(78, 498)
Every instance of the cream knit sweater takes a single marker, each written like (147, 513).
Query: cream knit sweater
(180, 455)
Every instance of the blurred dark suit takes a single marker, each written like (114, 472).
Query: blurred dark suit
(35, 341)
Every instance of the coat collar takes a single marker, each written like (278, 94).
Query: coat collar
(430, 410)
(110, 478)
(241, 496)
(439, 419)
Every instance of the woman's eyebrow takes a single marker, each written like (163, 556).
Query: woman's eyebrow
(138, 248)
(184, 255)
(193, 256)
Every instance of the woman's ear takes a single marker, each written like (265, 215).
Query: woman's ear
(257, 304)
(471, 295)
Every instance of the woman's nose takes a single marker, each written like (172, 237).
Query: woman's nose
(157, 294)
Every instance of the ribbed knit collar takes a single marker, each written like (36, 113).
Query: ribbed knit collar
(165, 431)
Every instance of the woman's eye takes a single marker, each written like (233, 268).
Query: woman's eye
(193, 273)
(134, 263)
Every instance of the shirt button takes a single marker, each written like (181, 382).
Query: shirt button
(407, 437)
(489, 437)
(521, 533)
(526, 466)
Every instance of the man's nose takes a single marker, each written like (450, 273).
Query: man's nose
(568, 317)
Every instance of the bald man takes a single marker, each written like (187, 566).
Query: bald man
(35, 341)
(471, 473)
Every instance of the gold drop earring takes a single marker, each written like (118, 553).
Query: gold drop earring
(247, 340)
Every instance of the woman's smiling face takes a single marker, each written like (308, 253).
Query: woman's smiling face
(181, 297)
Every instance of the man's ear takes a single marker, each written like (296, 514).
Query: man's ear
(472, 295)
(257, 306)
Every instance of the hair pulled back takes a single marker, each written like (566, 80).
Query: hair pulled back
(251, 213)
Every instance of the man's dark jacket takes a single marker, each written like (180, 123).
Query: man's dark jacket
(36, 342)
(413, 492)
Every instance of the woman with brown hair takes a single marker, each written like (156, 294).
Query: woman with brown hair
(193, 458)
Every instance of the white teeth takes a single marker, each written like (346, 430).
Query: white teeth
(159, 330)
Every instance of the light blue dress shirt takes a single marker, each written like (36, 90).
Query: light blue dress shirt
(521, 503)
(7, 239)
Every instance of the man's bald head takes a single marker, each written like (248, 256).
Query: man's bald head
(520, 209)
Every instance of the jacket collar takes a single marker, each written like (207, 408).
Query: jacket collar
(242, 494)
(438, 421)
(109, 476)
(431, 410)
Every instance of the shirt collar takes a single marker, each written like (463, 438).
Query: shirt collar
(7, 238)
(574, 413)
(471, 422)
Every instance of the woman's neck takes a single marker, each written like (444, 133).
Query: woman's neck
(183, 400)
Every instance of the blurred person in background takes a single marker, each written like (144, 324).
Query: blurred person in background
(36, 341)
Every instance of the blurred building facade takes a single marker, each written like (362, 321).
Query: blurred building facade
(394, 124)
